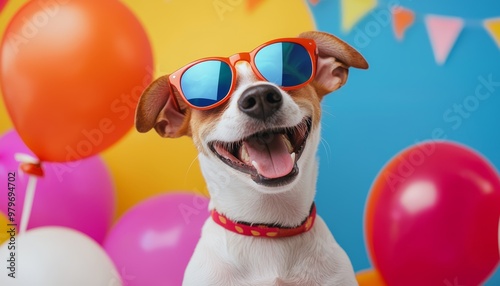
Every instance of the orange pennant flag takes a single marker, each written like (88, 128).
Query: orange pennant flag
(314, 2)
(253, 4)
(493, 27)
(402, 19)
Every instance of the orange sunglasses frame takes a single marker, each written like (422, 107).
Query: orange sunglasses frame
(175, 77)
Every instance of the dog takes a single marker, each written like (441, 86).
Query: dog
(257, 151)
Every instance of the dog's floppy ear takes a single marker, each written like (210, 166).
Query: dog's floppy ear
(334, 59)
(158, 109)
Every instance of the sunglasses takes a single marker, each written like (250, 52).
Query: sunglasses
(207, 83)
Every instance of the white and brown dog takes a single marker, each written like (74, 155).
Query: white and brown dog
(262, 141)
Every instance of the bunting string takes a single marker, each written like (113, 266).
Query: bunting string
(443, 31)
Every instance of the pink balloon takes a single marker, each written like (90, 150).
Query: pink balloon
(78, 195)
(432, 217)
(153, 242)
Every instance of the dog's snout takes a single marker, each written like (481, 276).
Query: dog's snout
(260, 101)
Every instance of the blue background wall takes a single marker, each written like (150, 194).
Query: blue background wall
(399, 101)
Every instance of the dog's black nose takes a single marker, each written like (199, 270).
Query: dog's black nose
(260, 101)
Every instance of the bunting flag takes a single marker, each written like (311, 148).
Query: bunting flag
(354, 10)
(402, 19)
(253, 4)
(314, 2)
(443, 33)
(493, 27)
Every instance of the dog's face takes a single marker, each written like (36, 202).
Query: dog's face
(263, 136)
(260, 133)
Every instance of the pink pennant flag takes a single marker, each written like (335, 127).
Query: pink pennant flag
(443, 33)
(314, 2)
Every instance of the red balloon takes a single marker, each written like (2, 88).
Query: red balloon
(71, 73)
(432, 217)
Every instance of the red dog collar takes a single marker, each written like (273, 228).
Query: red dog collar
(264, 230)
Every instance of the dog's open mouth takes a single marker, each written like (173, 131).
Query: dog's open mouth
(269, 157)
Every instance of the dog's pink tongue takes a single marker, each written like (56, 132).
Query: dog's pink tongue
(270, 155)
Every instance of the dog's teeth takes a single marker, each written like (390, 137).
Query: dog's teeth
(254, 164)
(244, 157)
(293, 157)
(287, 143)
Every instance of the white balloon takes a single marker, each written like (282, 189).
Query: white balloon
(56, 256)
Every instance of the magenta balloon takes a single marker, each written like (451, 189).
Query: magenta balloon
(151, 244)
(499, 238)
(432, 217)
(78, 195)
(2, 4)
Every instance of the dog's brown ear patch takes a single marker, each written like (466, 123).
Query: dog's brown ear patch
(158, 109)
(335, 57)
(329, 45)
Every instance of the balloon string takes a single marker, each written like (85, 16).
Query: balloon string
(28, 203)
(33, 168)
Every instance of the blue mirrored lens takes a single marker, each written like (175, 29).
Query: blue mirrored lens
(285, 64)
(206, 83)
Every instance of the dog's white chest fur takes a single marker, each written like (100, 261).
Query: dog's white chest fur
(226, 258)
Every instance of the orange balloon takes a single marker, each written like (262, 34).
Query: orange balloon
(71, 74)
(370, 278)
